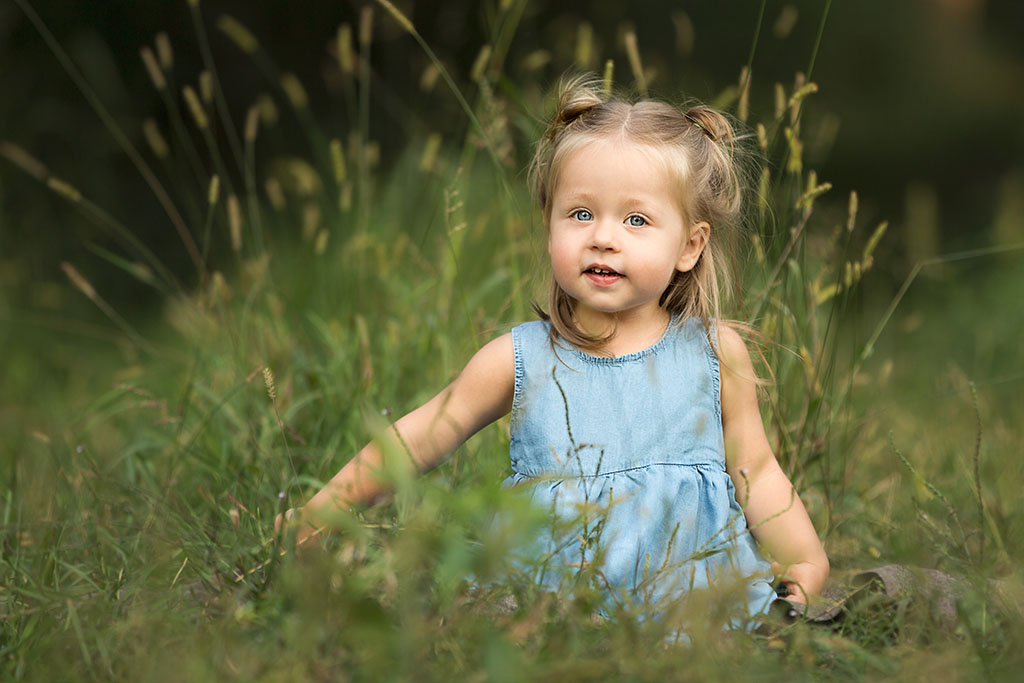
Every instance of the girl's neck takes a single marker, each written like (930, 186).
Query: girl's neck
(630, 332)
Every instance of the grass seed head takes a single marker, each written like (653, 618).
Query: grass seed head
(428, 79)
(292, 87)
(785, 22)
(80, 283)
(345, 200)
(338, 160)
(633, 52)
(396, 13)
(213, 193)
(268, 381)
(235, 222)
(310, 220)
(536, 60)
(195, 107)
(606, 80)
(275, 193)
(780, 100)
(155, 139)
(429, 158)
(206, 86)
(876, 237)
(23, 160)
(268, 110)
(585, 45)
(153, 68)
(238, 33)
(794, 164)
(164, 51)
(64, 188)
(794, 111)
(371, 152)
(801, 93)
(366, 24)
(685, 32)
(252, 123)
(743, 108)
(476, 73)
(346, 56)
(764, 188)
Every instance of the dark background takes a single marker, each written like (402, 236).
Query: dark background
(925, 98)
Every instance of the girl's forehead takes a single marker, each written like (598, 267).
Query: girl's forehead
(619, 151)
(619, 144)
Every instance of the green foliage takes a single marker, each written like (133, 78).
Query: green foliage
(140, 487)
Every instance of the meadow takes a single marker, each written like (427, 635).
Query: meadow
(308, 286)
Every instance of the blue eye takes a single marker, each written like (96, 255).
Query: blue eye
(582, 215)
(636, 221)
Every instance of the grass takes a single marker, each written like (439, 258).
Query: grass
(139, 487)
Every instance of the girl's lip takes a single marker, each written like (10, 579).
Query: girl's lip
(601, 266)
(601, 279)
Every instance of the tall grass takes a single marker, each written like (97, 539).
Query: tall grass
(331, 295)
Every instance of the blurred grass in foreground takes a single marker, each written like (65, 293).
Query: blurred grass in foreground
(143, 469)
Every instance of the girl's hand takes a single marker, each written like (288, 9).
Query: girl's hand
(294, 521)
(802, 580)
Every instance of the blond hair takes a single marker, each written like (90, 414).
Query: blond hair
(699, 146)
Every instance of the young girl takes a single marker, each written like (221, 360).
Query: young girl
(627, 398)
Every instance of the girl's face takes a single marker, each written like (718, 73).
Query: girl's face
(616, 232)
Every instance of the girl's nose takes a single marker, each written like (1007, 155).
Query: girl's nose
(604, 236)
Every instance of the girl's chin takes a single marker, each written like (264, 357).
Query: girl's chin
(610, 312)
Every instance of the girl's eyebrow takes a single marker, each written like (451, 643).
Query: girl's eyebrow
(644, 202)
(579, 196)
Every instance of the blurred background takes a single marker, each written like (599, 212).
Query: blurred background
(920, 110)
(923, 100)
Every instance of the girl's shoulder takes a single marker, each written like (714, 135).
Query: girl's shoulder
(731, 349)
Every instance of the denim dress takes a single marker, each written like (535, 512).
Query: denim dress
(627, 454)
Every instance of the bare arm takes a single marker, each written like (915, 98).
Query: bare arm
(479, 395)
(773, 510)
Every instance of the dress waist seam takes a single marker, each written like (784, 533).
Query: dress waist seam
(575, 475)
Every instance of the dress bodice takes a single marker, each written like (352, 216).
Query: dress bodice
(589, 415)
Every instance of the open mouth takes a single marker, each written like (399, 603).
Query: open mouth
(602, 271)
(603, 276)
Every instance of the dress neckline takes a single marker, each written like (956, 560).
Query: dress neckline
(673, 323)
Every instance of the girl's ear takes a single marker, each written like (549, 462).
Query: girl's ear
(693, 247)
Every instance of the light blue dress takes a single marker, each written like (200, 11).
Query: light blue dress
(627, 453)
